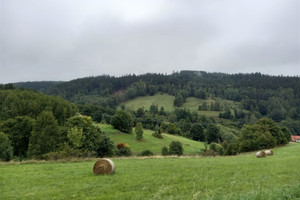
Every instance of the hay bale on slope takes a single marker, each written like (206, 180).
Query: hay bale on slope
(269, 152)
(104, 166)
(261, 154)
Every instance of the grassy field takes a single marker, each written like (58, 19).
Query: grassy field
(166, 101)
(238, 177)
(149, 142)
(159, 99)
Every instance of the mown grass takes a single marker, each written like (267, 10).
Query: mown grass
(236, 177)
(149, 142)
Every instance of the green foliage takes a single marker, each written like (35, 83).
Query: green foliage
(264, 134)
(163, 127)
(212, 133)
(44, 137)
(75, 135)
(147, 153)
(17, 102)
(171, 128)
(274, 129)
(123, 150)
(154, 109)
(19, 131)
(226, 115)
(139, 131)
(84, 133)
(228, 134)
(286, 133)
(185, 125)
(122, 121)
(165, 151)
(232, 149)
(6, 150)
(209, 152)
(178, 101)
(197, 132)
(292, 125)
(140, 112)
(157, 135)
(66, 152)
(217, 148)
(175, 148)
(105, 147)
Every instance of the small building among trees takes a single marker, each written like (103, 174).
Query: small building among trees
(296, 138)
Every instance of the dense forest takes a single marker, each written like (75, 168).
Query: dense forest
(37, 118)
(275, 97)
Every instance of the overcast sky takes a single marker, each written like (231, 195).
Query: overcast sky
(68, 39)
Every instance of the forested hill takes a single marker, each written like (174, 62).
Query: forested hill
(41, 86)
(277, 97)
(188, 82)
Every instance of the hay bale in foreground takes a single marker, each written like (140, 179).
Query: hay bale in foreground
(261, 154)
(269, 152)
(104, 166)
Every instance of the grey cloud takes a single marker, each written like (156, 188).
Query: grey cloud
(62, 40)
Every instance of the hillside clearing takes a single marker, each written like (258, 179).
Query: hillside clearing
(166, 101)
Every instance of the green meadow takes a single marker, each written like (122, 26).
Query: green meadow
(145, 102)
(232, 177)
(166, 101)
(149, 142)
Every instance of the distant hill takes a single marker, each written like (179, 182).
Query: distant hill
(248, 96)
(277, 97)
(41, 86)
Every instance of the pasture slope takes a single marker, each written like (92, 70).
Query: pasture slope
(150, 142)
(234, 177)
(166, 101)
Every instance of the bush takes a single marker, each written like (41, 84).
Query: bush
(44, 136)
(68, 153)
(122, 121)
(209, 153)
(6, 150)
(175, 148)
(212, 133)
(105, 147)
(139, 131)
(232, 149)
(197, 132)
(171, 128)
(165, 151)
(147, 153)
(157, 135)
(83, 134)
(124, 152)
(217, 148)
(123, 149)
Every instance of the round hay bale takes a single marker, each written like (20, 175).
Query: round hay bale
(260, 154)
(104, 166)
(269, 152)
